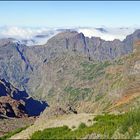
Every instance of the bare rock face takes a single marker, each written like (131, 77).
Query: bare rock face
(15, 103)
(93, 48)
(12, 108)
(33, 69)
(54, 111)
(23, 65)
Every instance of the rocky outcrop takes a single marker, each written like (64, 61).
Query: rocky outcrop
(94, 48)
(12, 108)
(54, 111)
(16, 103)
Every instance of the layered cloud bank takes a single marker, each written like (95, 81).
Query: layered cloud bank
(39, 36)
(30, 36)
(107, 34)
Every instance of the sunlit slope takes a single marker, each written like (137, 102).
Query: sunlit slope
(92, 86)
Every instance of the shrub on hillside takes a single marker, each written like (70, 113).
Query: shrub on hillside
(82, 125)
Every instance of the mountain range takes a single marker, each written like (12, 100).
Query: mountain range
(88, 73)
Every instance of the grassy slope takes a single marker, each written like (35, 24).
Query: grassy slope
(76, 81)
(87, 85)
(71, 120)
(10, 134)
(9, 125)
(127, 124)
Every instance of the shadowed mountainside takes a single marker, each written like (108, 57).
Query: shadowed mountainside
(15, 103)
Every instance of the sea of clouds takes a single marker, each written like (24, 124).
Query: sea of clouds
(39, 36)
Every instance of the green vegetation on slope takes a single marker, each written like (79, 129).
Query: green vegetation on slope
(51, 133)
(105, 126)
(10, 134)
(93, 70)
(76, 94)
(131, 123)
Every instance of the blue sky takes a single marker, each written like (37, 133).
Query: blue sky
(68, 13)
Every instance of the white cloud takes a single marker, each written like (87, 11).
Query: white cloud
(29, 34)
(109, 35)
(20, 32)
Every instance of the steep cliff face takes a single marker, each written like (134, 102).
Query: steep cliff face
(23, 65)
(94, 48)
(14, 65)
(69, 67)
